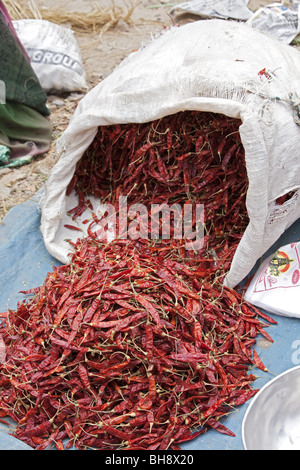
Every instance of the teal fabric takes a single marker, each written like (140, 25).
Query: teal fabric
(4, 155)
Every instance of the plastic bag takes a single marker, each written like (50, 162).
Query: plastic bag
(280, 20)
(210, 65)
(234, 9)
(276, 285)
(54, 55)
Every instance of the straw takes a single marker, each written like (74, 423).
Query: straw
(96, 19)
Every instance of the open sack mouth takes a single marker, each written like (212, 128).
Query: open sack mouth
(180, 180)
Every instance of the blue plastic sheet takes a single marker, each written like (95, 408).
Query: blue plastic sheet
(8, 442)
(25, 262)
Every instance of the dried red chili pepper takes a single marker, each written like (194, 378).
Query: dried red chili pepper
(136, 357)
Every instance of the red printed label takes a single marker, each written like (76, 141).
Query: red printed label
(281, 271)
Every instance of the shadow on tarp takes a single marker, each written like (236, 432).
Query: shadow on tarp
(25, 262)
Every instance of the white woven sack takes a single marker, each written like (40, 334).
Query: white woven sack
(54, 55)
(208, 65)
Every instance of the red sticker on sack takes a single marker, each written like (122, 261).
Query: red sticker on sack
(295, 277)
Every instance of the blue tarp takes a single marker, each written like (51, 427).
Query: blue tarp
(25, 262)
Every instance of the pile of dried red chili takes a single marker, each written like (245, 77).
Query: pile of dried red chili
(136, 344)
(125, 348)
(189, 157)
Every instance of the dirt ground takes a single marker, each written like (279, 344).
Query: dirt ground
(101, 53)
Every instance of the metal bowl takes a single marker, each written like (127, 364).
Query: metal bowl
(272, 420)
